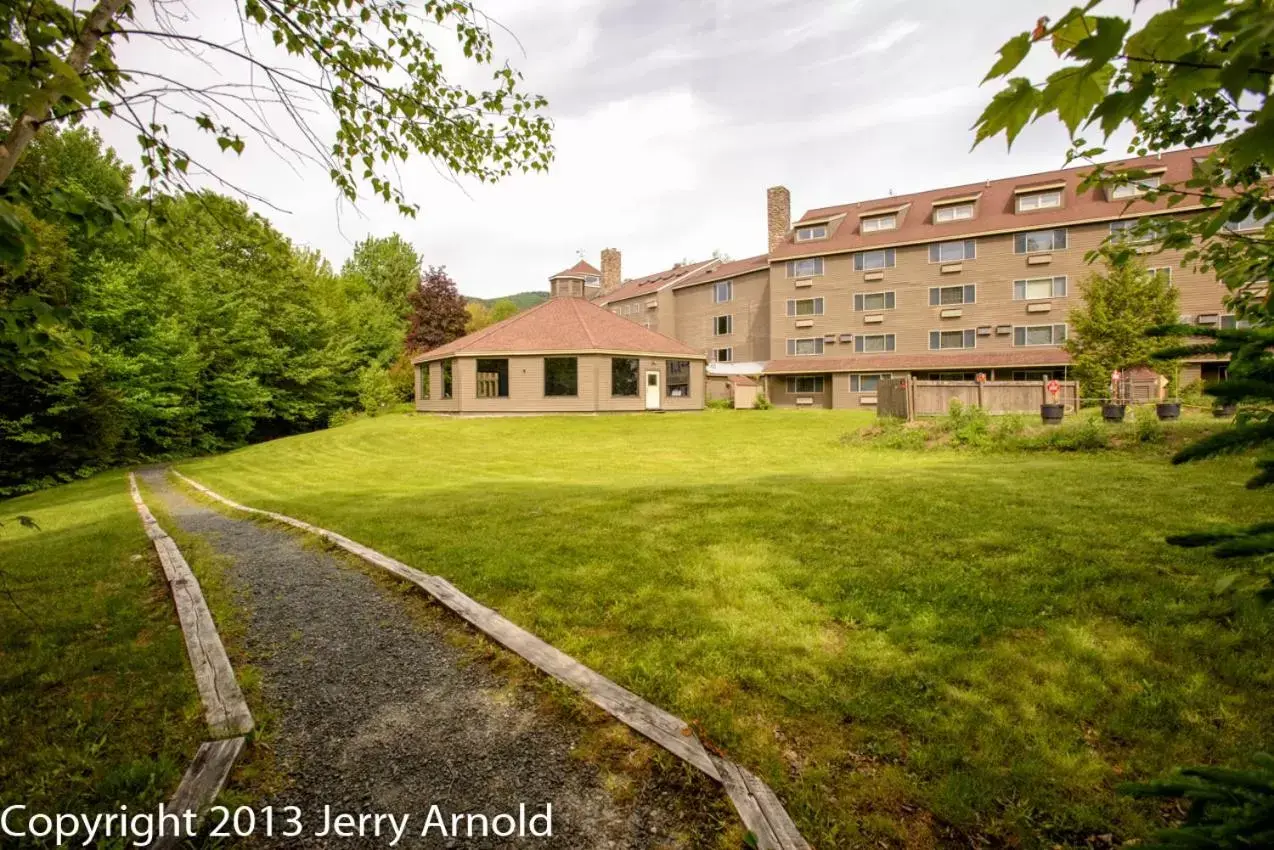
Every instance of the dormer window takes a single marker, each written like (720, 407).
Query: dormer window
(1045, 199)
(875, 223)
(592, 280)
(1134, 188)
(953, 212)
(817, 231)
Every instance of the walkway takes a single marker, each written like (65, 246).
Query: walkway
(373, 712)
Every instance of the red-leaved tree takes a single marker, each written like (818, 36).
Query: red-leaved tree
(438, 312)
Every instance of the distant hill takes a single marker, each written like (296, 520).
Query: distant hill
(522, 299)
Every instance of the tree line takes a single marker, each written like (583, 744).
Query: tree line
(187, 324)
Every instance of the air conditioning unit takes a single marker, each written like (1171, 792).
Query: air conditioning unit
(846, 337)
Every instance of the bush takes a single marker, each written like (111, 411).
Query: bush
(720, 404)
(761, 403)
(402, 378)
(1008, 426)
(1146, 427)
(375, 390)
(1087, 436)
(968, 425)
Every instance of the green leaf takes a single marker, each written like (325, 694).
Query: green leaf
(1011, 55)
(1074, 94)
(1104, 44)
(1008, 112)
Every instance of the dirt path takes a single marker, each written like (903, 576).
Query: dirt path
(375, 713)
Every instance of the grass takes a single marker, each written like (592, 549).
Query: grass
(98, 707)
(913, 647)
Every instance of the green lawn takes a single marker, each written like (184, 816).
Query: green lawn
(97, 703)
(912, 647)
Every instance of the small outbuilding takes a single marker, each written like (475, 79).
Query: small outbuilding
(567, 355)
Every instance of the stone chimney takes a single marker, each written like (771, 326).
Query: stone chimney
(778, 213)
(610, 271)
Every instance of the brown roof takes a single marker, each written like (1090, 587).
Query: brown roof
(723, 271)
(995, 210)
(742, 381)
(565, 325)
(904, 362)
(655, 282)
(580, 269)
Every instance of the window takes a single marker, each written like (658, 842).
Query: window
(946, 296)
(953, 252)
(493, 378)
(623, 376)
(941, 340)
(952, 212)
(1039, 287)
(864, 383)
(865, 261)
(1249, 222)
(873, 301)
(423, 370)
(446, 378)
(1039, 240)
(1048, 199)
(1128, 230)
(1039, 334)
(1164, 272)
(722, 325)
(1037, 375)
(722, 291)
(561, 376)
(805, 306)
(722, 355)
(874, 223)
(804, 384)
(867, 343)
(809, 267)
(817, 231)
(592, 280)
(804, 346)
(678, 378)
(1134, 188)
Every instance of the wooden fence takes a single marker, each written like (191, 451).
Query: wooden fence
(906, 398)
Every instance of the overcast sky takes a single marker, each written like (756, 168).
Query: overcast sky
(672, 117)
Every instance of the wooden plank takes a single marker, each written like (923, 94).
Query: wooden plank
(204, 780)
(758, 806)
(225, 709)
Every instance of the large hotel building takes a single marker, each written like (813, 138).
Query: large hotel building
(942, 284)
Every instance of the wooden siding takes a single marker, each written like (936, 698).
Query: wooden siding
(694, 312)
(993, 272)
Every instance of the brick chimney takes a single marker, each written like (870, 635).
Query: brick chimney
(610, 271)
(778, 213)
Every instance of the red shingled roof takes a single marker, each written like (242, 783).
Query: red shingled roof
(655, 282)
(580, 269)
(565, 325)
(995, 209)
(733, 268)
(966, 360)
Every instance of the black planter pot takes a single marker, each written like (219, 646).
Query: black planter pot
(1225, 411)
(1168, 410)
(1113, 412)
(1051, 414)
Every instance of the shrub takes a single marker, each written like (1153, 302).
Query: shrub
(1146, 427)
(761, 403)
(719, 404)
(968, 425)
(375, 390)
(1087, 436)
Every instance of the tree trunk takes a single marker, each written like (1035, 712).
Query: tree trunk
(41, 103)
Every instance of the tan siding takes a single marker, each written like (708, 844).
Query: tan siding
(992, 271)
(695, 310)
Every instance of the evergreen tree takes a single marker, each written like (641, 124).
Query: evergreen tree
(1109, 331)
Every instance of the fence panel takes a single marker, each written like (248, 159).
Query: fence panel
(933, 398)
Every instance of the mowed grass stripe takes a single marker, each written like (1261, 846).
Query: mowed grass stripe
(908, 646)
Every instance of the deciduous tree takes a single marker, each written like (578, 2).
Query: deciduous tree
(438, 313)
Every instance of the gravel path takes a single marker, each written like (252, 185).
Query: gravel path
(375, 713)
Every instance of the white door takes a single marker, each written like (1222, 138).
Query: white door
(652, 390)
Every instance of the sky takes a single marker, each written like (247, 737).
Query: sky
(671, 118)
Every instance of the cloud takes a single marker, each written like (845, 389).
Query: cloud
(672, 117)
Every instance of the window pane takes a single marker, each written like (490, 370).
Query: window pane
(493, 378)
(875, 342)
(446, 378)
(1039, 335)
(678, 378)
(561, 376)
(874, 301)
(952, 295)
(623, 376)
(868, 383)
(951, 339)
